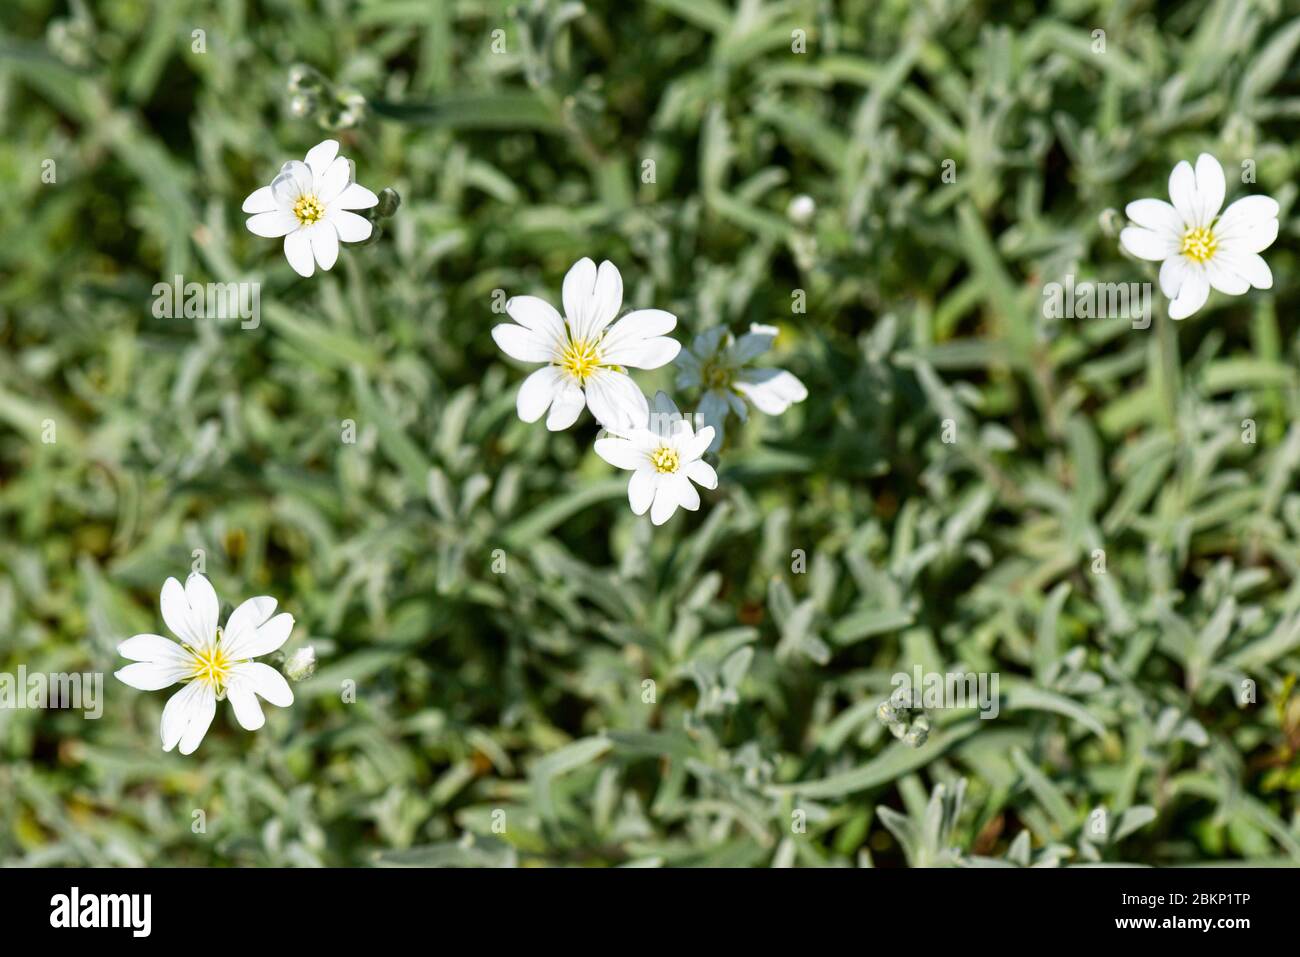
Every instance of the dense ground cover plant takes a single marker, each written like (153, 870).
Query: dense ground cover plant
(513, 666)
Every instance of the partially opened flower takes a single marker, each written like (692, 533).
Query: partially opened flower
(664, 456)
(309, 204)
(1196, 247)
(209, 663)
(586, 357)
(717, 362)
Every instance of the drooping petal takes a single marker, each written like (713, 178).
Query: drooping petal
(568, 404)
(1156, 215)
(356, 196)
(1182, 192)
(272, 225)
(621, 453)
(350, 227)
(261, 200)
(702, 474)
(297, 249)
(265, 681)
(320, 156)
(154, 648)
(771, 390)
(152, 675)
(1210, 189)
(537, 393)
(1146, 244)
(1193, 292)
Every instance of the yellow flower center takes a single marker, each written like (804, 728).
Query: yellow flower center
(579, 360)
(210, 665)
(1199, 244)
(308, 209)
(665, 459)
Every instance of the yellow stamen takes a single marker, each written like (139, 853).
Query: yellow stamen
(579, 360)
(1199, 244)
(308, 209)
(665, 459)
(210, 665)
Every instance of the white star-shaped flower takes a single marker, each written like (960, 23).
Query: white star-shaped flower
(664, 456)
(211, 663)
(718, 362)
(586, 357)
(1196, 250)
(309, 204)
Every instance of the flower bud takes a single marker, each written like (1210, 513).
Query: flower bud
(302, 665)
(801, 210)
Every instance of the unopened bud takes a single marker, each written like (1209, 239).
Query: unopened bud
(302, 665)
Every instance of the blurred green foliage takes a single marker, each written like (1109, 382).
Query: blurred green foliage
(847, 540)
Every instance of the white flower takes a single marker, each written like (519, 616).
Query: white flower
(664, 457)
(716, 363)
(1196, 250)
(584, 359)
(308, 204)
(212, 665)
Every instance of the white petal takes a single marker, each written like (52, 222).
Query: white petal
(539, 316)
(152, 675)
(293, 180)
(621, 453)
(356, 196)
(1210, 188)
(262, 640)
(180, 708)
(697, 444)
(687, 497)
(641, 490)
(182, 621)
(524, 344)
(1146, 244)
(247, 711)
(637, 340)
(320, 156)
(1157, 216)
(1248, 225)
(568, 404)
(771, 390)
(615, 400)
(324, 244)
(592, 297)
(202, 708)
(154, 648)
(1249, 266)
(1224, 278)
(297, 249)
(1182, 192)
(702, 474)
(537, 392)
(203, 602)
(272, 225)
(1172, 272)
(330, 186)
(350, 227)
(260, 200)
(264, 680)
(1192, 294)
(665, 503)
